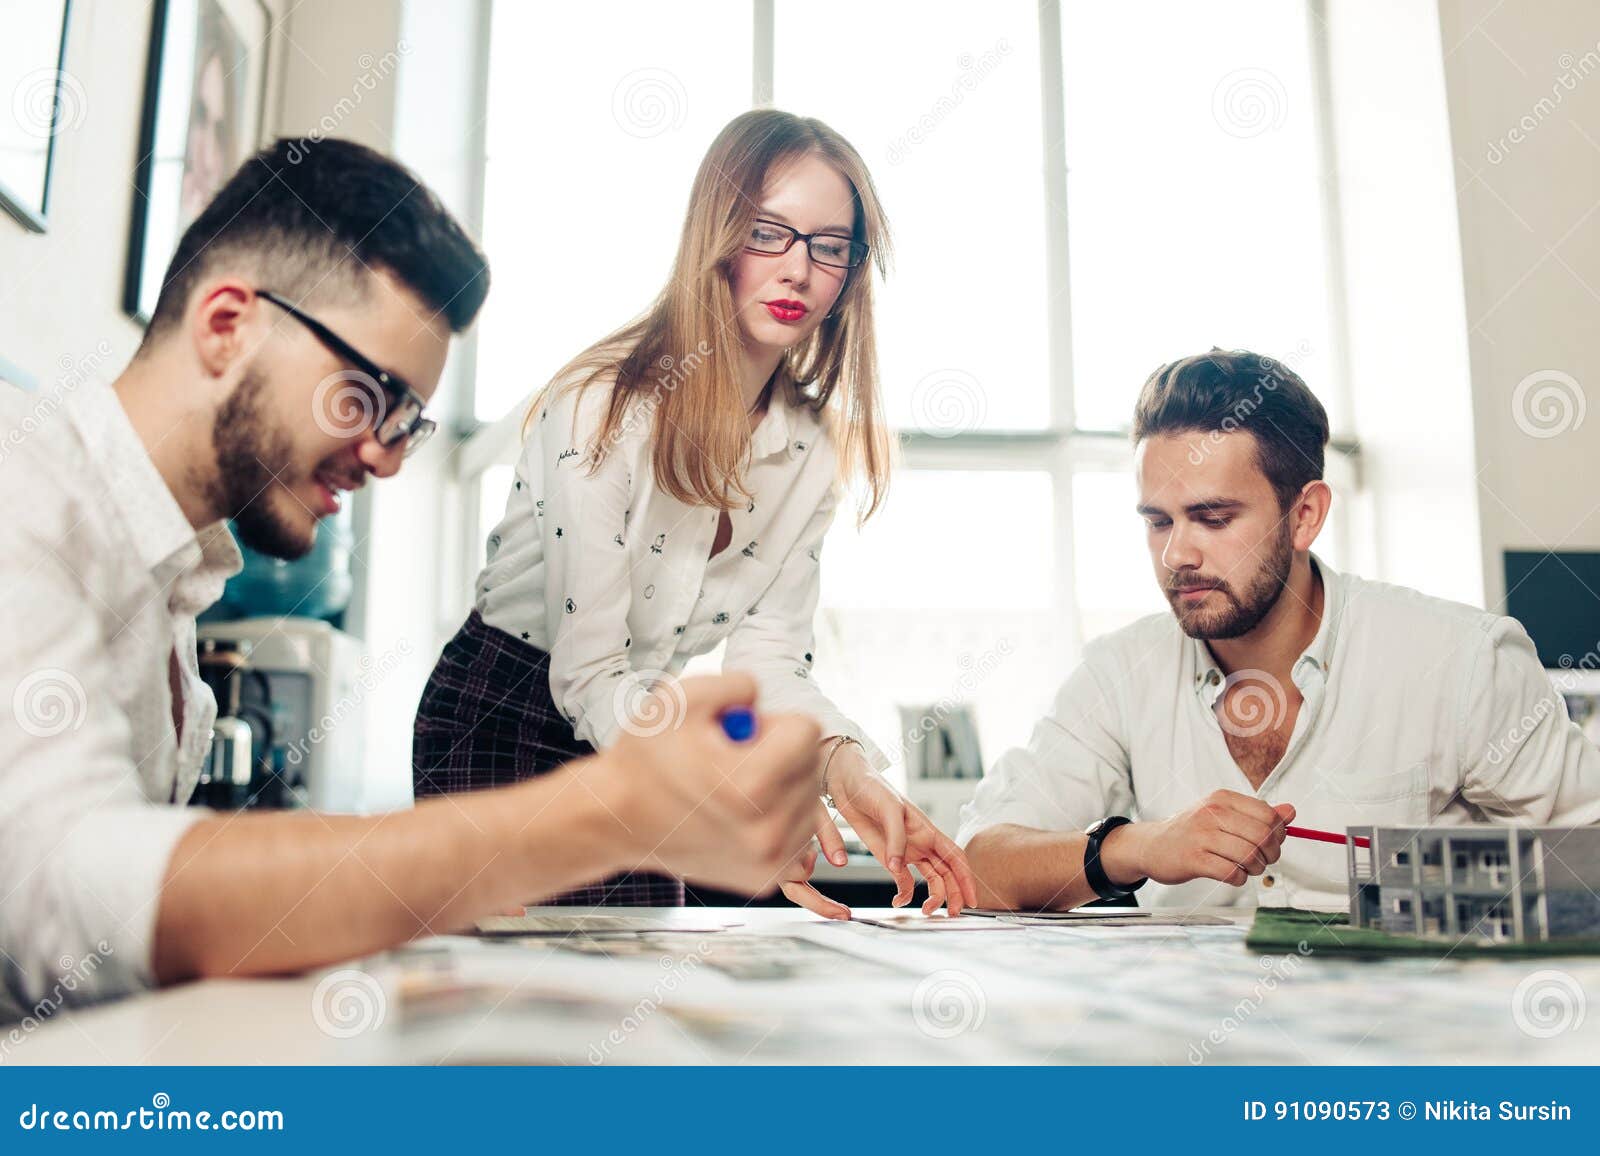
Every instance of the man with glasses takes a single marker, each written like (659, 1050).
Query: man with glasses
(301, 328)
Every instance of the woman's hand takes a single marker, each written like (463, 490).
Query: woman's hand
(897, 833)
(796, 887)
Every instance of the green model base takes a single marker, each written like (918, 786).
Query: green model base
(1329, 933)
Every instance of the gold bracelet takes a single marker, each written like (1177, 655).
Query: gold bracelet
(838, 741)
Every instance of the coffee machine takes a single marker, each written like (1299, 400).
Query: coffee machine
(289, 727)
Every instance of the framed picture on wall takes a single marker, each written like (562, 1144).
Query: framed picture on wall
(45, 102)
(205, 87)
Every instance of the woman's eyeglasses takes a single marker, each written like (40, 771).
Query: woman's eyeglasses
(398, 417)
(772, 239)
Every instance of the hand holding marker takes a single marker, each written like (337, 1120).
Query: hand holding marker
(739, 724)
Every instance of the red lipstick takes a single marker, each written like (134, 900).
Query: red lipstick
(787, 311)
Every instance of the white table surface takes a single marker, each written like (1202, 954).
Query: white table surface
(1175, 995)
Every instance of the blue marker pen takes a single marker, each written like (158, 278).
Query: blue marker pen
(739, 723)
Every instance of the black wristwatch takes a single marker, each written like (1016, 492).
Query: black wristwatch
(1096, 874)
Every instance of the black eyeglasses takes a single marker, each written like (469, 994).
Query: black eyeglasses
(772, 239)
(398, 416)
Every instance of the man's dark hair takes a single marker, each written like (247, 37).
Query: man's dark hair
(1222, 391)
(312, 219)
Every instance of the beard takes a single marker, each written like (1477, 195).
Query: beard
(255, 466)
(1241, 612)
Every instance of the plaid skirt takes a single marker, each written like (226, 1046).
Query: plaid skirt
(487, 719)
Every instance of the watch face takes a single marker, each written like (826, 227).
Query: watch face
(1094, 827)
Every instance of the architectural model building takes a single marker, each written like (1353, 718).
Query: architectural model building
(1499, 884)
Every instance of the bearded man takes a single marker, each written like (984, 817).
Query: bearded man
(1277, 690)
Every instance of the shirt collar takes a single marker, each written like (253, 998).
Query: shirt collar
(194, 575)
(772, 432)
(192, 565)
(788, 427)
(1209, 679)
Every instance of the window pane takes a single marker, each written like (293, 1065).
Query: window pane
(942, 101)
(947, 539)
(1194, 192)
(590, 158)
(945, 597)
(1114, 580)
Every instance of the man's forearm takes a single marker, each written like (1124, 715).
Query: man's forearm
(256, 894)
(1025, 869)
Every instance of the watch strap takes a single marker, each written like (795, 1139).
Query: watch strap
(1094, 872)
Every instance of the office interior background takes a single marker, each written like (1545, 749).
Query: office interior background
(1397, 199)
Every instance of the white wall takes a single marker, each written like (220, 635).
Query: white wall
(1530, 247)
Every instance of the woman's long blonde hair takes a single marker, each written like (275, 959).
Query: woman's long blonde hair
(681, 358)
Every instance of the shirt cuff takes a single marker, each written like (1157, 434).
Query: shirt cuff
(984, 810)
(87, 932)
(837, 724)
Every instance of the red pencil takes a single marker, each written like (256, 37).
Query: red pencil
(1326, 836)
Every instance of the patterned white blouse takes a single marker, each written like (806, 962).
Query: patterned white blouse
(613, 578)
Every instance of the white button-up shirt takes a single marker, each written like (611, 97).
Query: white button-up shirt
(612, 577)
(102, 578)
(1416, 711)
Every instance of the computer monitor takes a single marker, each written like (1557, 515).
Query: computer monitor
(1556, 597)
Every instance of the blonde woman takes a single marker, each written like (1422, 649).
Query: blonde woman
(674, 488)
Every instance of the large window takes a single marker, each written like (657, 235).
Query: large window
(1194, 191)
(597, 118)
(944, 107)
(1073, 200)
